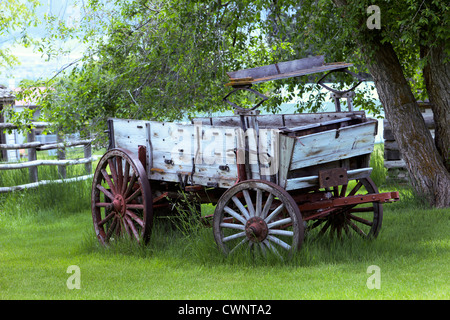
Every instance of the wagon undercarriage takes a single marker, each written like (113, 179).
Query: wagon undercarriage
(272, 178)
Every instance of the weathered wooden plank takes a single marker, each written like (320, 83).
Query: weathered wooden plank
(284, 70)
(36, 163)
(269, 153)
(278, 68)
(172, 150)
(63, 144)
(129, 134)
(175, 148)
(16, 146)
(301, 119)
(37, 125)
(398, 164)
(197, 179)
(43, 182)
(285, 156)
(271, 121)
(313, 181)
(333, 145)
(276, 121)
(309, 129)
(303, 72)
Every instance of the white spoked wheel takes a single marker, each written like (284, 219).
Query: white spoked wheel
(260, 216)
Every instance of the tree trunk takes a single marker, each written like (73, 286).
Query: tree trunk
(425, 166)
(428, 174)
(437, 81)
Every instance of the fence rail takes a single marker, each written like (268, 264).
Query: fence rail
(33, 163)
(393, 160)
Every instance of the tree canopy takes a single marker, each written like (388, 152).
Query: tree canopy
(168, 59)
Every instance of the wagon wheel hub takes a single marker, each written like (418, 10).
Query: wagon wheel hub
(256, 229)
(119, 204)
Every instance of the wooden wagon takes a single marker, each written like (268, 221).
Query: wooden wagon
(271, 177)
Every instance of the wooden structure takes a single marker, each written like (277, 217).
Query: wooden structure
(392, 156)
(33, 163)
(271, 177)
(6, 98)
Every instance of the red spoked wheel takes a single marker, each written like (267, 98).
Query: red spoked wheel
(354, 219)
(121, 198)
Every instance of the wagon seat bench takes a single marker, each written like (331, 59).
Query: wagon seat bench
(272, 178)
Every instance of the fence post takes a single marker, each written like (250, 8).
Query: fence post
(87, 154)
(61, 156)
(33, 171)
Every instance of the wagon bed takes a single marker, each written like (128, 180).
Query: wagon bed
(205, 150)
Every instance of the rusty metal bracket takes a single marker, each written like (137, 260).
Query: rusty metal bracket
(142, 156)
(332, 177)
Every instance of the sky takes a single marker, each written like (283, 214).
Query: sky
(32, 65)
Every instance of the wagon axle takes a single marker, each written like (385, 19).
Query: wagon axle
(256, 229)
(119, 204)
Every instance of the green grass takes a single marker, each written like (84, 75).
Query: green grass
(379, 172)
(45, 230)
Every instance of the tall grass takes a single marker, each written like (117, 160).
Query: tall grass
(187, 238)
(63, 198)
(379, 172)
(66, 197)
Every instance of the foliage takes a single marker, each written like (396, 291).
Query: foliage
(161, 60)
(168, 59)
(15, 18)
(144, 59)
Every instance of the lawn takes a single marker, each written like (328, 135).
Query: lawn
(43, 235)
(45, 231)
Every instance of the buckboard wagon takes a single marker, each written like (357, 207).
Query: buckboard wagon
(270, 177)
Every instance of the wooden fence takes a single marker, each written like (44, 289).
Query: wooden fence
(392, 156)
(33, 163)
